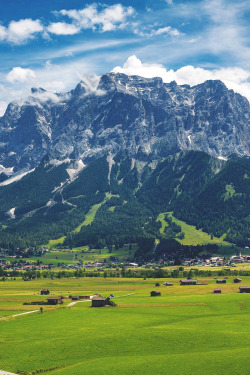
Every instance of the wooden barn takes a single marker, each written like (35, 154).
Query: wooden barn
(244, 289)
(188, 282)
(217, 290)
(99, 301)
(221, 281)
(237, 280)
(54, 300)
(44, 292)
(75, 298)
(154, 293)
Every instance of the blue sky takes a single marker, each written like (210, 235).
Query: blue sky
(54, 43)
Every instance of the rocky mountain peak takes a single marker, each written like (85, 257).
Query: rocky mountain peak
(143, 117)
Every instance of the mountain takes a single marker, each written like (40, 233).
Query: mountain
(145, 118)
(97, 165)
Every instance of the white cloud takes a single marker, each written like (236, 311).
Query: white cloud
(62, 28)
(169, 2)
(104, 18)
(234, 78)
(20, 31)
(166, 30)
(20, 75)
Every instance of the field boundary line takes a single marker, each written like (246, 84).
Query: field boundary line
(25, 313)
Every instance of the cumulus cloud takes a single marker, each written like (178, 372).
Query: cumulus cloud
(20, 75)
(18, 32)
(98, 17)
(62, 28)
(234, 78)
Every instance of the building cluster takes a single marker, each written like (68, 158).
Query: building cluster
(19, 264)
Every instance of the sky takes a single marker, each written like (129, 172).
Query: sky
(54, 43)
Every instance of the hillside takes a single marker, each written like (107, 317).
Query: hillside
(124, 198)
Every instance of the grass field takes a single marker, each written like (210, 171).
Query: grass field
(83, 253)
(193, 236)
(187, 330)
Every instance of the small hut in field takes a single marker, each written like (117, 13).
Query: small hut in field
(221, 281)
(244, 289)
(167, 283)
(188, 282)
(218, 291)
(237, 280)
(157, 284)
(99, 301)
(75, 298)
(54, 300)
(154, 293)
(44, 292)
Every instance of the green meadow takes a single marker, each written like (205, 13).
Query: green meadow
(193, 236)
(186, 330)
(67, 256)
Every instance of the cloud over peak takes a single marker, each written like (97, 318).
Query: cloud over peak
(234, 78)
(20, 75)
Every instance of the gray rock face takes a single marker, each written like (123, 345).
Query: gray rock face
(142, 117)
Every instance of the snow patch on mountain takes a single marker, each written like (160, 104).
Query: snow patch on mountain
(76, 169)
(15, 178)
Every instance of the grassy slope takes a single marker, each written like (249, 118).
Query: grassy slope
(89, 218)
(192, 235)
(188, 330)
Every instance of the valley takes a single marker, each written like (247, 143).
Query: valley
(180, 330)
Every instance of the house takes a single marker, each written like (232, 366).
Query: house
(237, 280)
(54, 300)
(155, 293)
(44, 292)
(221, 281)
(188, 282)
(217, 290)
(99, 301)
(244, 289)
(167, 283)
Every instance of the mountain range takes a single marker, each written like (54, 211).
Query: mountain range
(131, 147)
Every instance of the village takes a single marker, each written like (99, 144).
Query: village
(17, 263)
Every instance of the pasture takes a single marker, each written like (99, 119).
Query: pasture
(193, 236)
(187, 330)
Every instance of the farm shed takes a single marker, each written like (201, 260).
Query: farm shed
(157, 284)
(221, 281)
(217, 290)
(167, 283)
(54, 300)
(75, 298)
(244, 289)
(44, 292)
(237, 280)
(99, 301)
(189, 282)
(154, 293)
